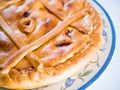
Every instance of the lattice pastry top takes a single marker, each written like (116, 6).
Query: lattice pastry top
(45, 41)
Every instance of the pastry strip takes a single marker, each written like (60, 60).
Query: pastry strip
(9, 3)
(13, 60)
(19, 42)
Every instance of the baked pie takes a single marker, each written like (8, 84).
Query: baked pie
(44, 41)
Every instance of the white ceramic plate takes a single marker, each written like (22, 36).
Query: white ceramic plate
(88, 74)
(98, 64)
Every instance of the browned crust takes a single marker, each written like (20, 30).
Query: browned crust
(15, 80)
(25, 50)
(59, 11)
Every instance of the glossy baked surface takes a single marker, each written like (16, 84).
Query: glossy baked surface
(42, 42)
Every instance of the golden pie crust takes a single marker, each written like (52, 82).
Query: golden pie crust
(45, 41)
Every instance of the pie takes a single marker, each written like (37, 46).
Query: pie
(45, 41)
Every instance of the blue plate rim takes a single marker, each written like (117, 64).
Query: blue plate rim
(110, 54)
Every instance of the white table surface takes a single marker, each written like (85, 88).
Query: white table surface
(110, 79)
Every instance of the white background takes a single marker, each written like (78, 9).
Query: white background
(110, 79)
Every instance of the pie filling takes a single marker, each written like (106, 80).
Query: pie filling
(62, 47)
(41, 39)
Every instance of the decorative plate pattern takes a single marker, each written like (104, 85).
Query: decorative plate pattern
(88, 74)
